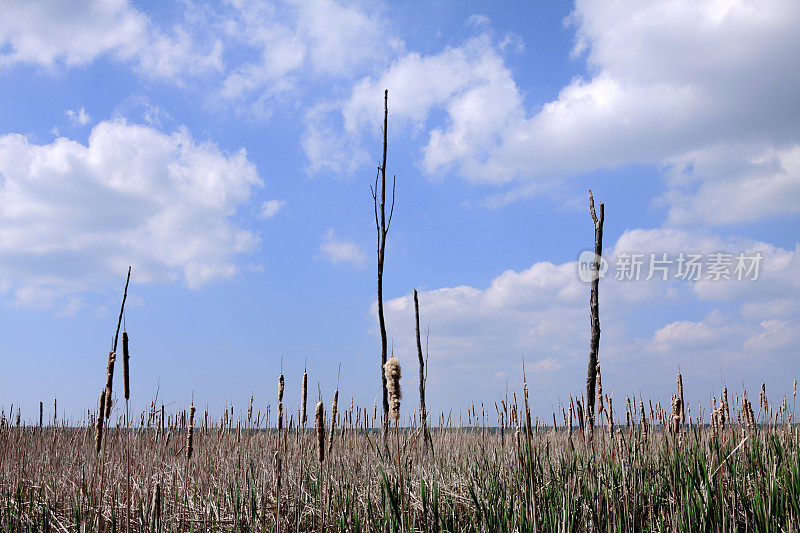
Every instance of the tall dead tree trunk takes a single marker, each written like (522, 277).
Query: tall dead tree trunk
(423, 412)
(382, 224)
(594, 317)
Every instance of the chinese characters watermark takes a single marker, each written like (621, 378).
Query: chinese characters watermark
(716, 266)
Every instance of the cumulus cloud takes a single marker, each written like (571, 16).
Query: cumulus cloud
(542, 313)
(703, 89)
(667, 79)
(337, 250)
(299, 41)
(469, 81)
(73, 216)
(719, 186)
(78, 32)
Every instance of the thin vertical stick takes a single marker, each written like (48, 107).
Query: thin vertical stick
(422, 409)
(594, 312)
(382, 225)
(122, 308)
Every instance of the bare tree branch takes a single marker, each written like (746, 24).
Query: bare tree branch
(391, 211)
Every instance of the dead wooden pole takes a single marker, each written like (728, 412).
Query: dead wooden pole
(422, 410)
(594, 316)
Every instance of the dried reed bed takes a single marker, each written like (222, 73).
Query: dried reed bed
(732, 466)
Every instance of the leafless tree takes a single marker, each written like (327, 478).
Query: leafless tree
(382, 223)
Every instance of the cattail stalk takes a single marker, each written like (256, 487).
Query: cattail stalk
(278, 488)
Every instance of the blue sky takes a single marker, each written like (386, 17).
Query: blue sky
(225, 151)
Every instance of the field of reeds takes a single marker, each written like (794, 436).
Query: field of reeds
(735, 465)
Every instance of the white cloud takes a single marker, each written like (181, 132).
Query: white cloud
(270, 208)
(75, 216)
(325, 146)
(78, 32)
(469, 81)
(338, 250)
(296, 42)
(687, 335)
(720, 186)
(667, 79)
(703, 85)
(542, 312)
(79, 117)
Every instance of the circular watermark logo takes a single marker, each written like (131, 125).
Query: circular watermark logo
(591, 266)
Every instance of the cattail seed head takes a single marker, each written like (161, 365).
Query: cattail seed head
(112, 357)
(681, 404)
(125, 374)
(333, 418)
(392, 372)
(599, 389)
(303, 417)
(98, 437)
(190, 434)
(724, 406)
(320, 425)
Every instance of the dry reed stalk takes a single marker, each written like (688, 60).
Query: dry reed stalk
(319, 424)
(278, 488)
(112, 357)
